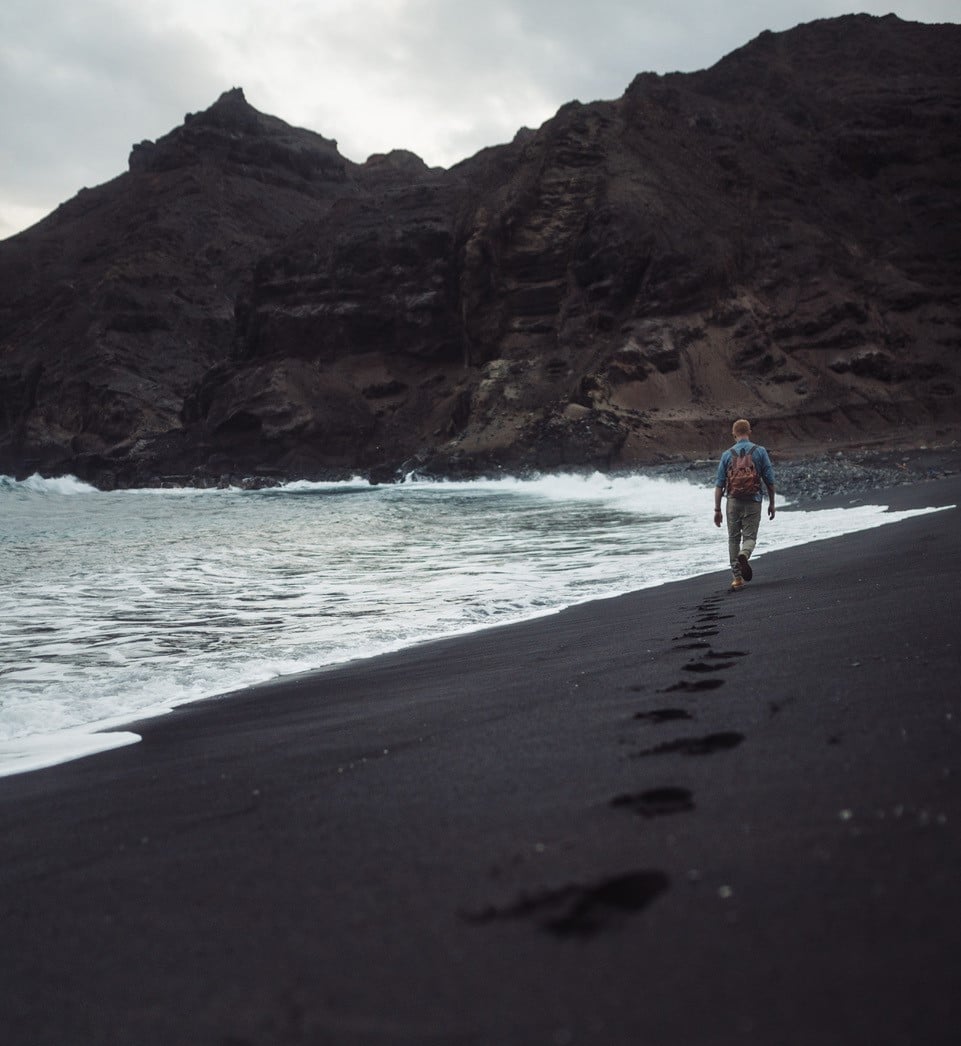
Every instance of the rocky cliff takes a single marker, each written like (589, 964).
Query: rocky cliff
(777, 237)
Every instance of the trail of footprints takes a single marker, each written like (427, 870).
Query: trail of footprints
(582, 910)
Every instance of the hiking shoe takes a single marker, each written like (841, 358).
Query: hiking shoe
(737, 584)
(746, 572)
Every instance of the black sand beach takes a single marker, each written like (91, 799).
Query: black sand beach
(678, 817)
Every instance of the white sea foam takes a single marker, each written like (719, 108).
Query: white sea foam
(118, 603)
(49, 749)
(37, 484)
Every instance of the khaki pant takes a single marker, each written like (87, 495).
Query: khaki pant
(743, 520)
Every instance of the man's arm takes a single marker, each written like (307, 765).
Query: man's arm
(767, 474)
(719, 481)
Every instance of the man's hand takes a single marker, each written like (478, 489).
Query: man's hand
(717, 517)
(770, 510)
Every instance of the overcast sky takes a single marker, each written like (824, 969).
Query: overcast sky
(82, 80)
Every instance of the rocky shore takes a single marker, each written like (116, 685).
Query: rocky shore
(837, 474)
(834, 474)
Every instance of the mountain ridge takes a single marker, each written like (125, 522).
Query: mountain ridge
(778, 236)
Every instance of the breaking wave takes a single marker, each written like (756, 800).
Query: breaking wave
(117, 605)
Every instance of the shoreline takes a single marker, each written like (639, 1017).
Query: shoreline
(678, 816)
(817, 470)
(830, 485)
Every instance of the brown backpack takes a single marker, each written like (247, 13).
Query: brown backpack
(743, 480)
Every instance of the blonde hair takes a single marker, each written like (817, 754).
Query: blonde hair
(742, 427)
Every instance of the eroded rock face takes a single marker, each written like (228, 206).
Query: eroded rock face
(778, 237)
(114, 307)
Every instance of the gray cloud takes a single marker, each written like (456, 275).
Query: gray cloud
(79, 84)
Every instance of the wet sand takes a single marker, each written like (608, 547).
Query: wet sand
(677, 817)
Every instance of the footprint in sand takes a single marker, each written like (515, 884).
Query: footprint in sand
(715, 661)
(693, 686)
(656, 802)
(663, 715)
(582, 910)
(704, 666)
(706, 745)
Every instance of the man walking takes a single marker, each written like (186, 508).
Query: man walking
(740, 473)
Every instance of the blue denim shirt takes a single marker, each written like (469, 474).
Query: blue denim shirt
(761, 462)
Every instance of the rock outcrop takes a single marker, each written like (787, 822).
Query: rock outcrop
(777, 237)
(114, 307)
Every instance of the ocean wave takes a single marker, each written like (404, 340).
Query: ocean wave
(37, 484)
(112, 604)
